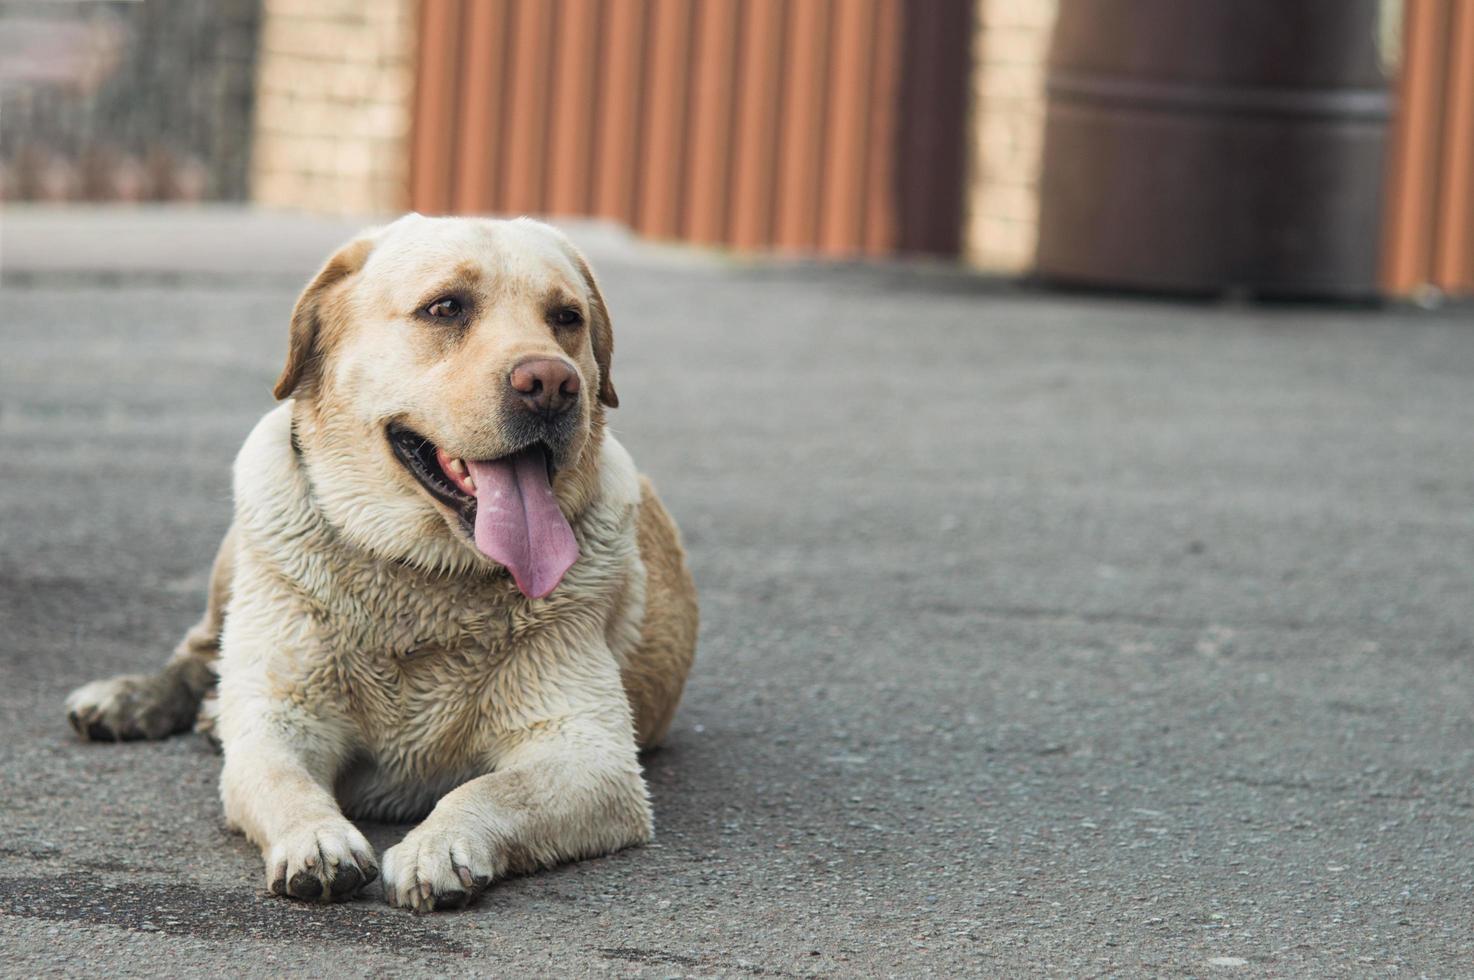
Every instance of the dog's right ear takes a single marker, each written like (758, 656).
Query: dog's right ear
(302, 346)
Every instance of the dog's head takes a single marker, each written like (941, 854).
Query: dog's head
(450, 377)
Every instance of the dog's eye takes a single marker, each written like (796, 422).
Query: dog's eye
(568, 316)
(444, 308)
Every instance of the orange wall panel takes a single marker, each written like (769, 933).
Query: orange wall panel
(761, 124)
(1428, 237)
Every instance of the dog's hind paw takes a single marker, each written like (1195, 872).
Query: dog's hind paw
(136, 706)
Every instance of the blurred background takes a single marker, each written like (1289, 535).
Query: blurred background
(1315, 148)
(1119, 627)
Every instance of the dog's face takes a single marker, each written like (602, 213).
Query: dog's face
(451, 374)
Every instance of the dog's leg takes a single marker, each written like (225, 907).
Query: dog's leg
(137, 706)
(570, 791)
(276, 787)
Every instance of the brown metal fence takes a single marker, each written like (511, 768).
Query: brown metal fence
(1429, 231)
(834, 126)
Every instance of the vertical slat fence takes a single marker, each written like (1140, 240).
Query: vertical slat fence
(792, 125)
(1428, 235)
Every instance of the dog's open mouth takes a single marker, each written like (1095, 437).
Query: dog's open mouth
(506, 504)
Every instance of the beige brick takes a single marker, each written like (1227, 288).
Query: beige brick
(293, 75)
(311, 154)
(346, 11)
(284, 153)
(1006, 244)
(1001, 126)
(352, 159)
(354, 82)
(1013, 202)
(383, 121)
(328, 45)
(1014, 45)
(272, 107)
(389, 171)
(396, 84)
(391, 195)
(348, 196)
(1001, 246)
(1012, 160)
(1037, 14)
(394, 40)
(314, 39)
(277, 189)
(1012, 81)
(300, 37)
(400, 13)
(271, 154)
(369, 197)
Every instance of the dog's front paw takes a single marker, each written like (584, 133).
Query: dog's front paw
(437, 866)
(122, 709)
(323, 863)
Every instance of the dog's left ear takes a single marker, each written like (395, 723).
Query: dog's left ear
(601, 333)
(303, 344)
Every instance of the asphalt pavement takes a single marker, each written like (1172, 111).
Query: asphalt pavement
(1043, 635)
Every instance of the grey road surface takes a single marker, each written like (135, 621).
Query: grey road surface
(1043, 634)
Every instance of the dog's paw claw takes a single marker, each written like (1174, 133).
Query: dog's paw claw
(431, 870)
(305, 884)
(327, 863)
(346, 881)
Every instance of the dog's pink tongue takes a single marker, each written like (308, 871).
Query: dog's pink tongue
(518, 522)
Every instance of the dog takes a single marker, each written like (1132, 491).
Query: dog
(447, 595)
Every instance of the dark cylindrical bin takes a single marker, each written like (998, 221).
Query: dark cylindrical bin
(1212, 145)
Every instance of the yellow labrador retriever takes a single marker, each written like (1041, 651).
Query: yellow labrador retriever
(447, 593)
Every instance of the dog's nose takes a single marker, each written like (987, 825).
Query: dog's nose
(546, 385)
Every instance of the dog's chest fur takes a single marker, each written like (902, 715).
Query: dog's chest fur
(429, 671)
(434, 673)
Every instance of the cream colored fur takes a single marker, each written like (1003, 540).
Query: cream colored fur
(372, 663)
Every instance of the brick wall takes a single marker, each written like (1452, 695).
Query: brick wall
(335, 90)
(333, 94)
(1007, 122)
